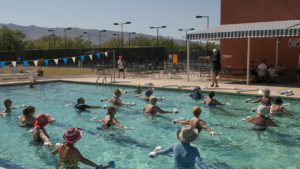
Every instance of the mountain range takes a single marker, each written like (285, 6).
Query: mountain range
(33, 32)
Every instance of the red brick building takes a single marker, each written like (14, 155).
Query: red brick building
(249, 11)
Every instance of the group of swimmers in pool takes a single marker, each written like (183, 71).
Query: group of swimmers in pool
(185, 154)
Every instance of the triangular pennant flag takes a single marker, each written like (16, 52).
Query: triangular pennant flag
(106, 53)
(73, 58)
(98, 55)
(65, 60)
(2, 64)
(82, 58)
(36, 63)
(25, 63)
(91, 57)
(46, 62)
(14, 63)
(56, 61)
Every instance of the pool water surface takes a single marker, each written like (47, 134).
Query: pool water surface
(238, 147)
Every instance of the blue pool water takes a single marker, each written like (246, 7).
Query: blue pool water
(238, 147)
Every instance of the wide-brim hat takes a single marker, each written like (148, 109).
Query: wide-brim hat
(187, 134)
(72, 134)
(41, 120)
(262, 110)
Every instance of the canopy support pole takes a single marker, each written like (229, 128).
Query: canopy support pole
(248, 60)
(188, 58)
(277, 44)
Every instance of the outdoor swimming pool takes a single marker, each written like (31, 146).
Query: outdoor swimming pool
(238, 147)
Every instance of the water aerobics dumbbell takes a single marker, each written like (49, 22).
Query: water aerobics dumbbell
(111, 164)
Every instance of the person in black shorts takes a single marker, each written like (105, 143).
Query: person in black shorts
(216, 67)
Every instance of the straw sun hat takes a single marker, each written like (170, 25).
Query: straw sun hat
(187, 134)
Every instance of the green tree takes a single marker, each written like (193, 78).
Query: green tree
(11, 40)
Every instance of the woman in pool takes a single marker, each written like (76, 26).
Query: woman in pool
(110, 119)
(265, 100)
(196, 95)
(261, 122)
(196, 122)
(210, 102)
(277, 109)
(138, 90)
(39, 134)
(7, 109)
(148, 94)
(69, 155)
(185, 155)
(115, 100)
(81, 106)
(27, 118)
(151, 109)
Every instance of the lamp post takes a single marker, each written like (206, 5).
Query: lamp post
(100, 36)
(186, 30)
(122, 28)
(65, 30)
(89, 37)
(157, 28)
(130, 33)
(51, 30)
(116, 34)
(207, 26)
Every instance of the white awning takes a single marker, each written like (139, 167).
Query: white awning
(288, 28)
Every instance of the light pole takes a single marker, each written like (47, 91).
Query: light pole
(51, 30)
(100, 36)
(89, 37)
(207, 26)
(122, 28)
(116, 34)
(66, 36)
(157, 28)
(130, 33)
(186, 30)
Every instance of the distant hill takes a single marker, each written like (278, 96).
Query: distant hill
(33, 32)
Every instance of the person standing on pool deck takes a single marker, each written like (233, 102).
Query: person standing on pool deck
(121, 66)
(185, 155)
(39, 133)
(81, 106)
(151, 109)
(7, 109)
(69, 155)
(265, 100)
(196, 122)
(110, 119)
(261, 122)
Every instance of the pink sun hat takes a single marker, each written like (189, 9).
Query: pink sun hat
(72, 134)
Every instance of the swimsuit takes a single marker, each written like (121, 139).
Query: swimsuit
(81, 107)
(263, 127)
(196, 95)
(65, 164)
(278, 113)
(211, 105)
(266, 103)
(107, 126)
(151, 112)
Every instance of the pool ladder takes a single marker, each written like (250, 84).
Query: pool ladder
(104, 78)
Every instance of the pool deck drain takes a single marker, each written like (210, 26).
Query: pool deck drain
(173, 84)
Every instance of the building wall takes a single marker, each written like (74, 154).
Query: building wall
(260, 48)
(247, 11)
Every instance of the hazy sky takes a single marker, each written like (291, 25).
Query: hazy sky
(101, 14)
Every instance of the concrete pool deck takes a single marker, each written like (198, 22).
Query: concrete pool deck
(224, 87)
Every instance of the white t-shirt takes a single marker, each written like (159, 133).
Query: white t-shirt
(262, 66)
(120, 64)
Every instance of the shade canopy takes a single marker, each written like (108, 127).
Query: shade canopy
(288, 28)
